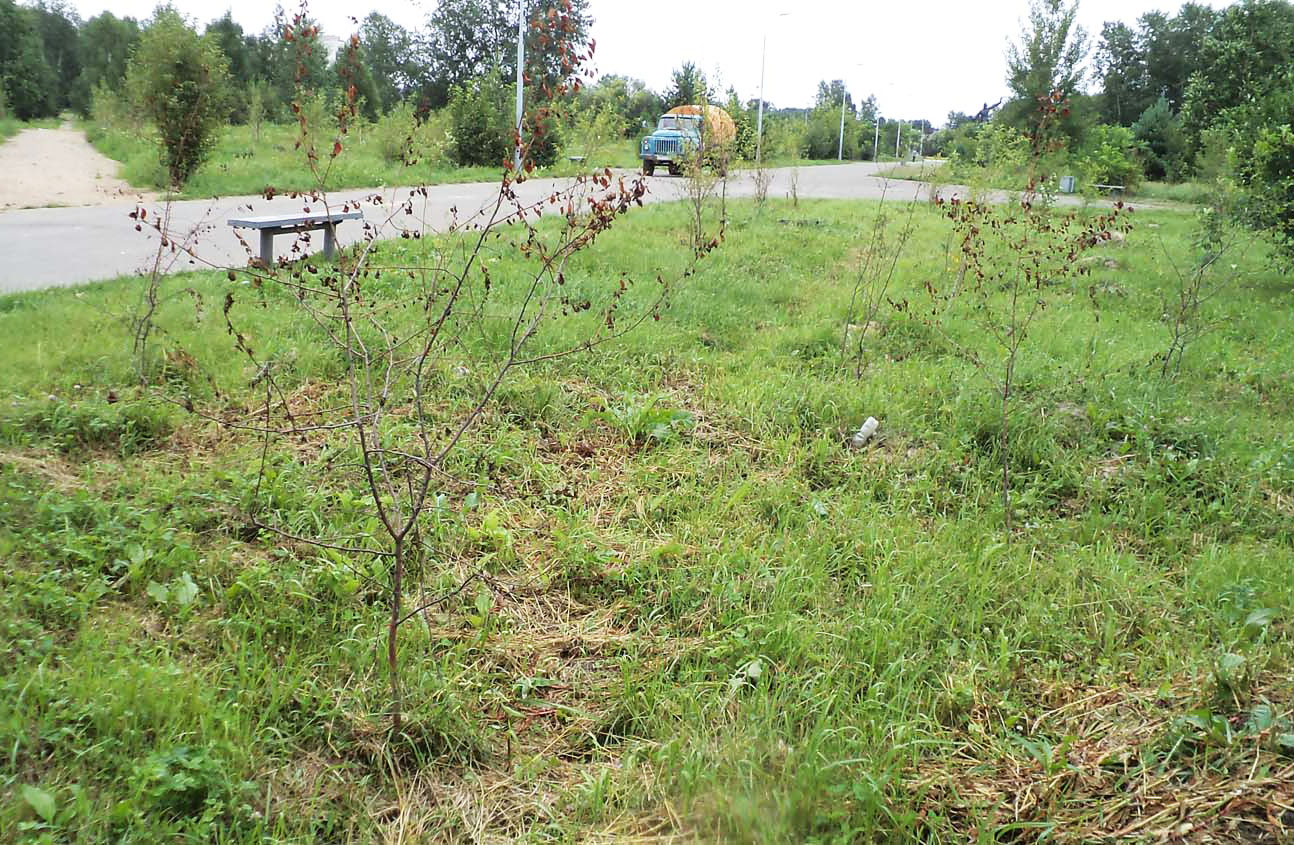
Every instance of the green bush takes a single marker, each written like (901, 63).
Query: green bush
(544, 138)
(404, 137)
(27, 81)
(480, 116)
(1271, 186)
(1259, 140)
(1111, 157)
(180, 81)
(1159, 132)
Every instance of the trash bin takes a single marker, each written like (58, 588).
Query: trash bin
(1067, 184)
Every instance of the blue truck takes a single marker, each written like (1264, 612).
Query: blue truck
(681, 133)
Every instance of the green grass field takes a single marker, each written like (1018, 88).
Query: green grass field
(713, 620)
(242, 165)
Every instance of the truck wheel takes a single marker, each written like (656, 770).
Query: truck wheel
(649, 167)
(675, 170)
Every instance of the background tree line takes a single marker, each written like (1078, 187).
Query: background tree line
(1203, 94)
(461, 62)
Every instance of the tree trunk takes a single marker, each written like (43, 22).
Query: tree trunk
(393, 629)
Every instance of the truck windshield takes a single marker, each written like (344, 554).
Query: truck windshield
(669, 122)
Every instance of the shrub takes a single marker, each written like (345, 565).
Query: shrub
(1271, 186)
(1159, 132)
(1112, 157)
(180, 81)
(482, 127)
(544, 137)
(406, 137)
(1261, 148)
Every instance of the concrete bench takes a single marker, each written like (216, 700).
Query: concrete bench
(1111, 189)
(284, 224)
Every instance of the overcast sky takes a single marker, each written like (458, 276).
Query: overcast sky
(920, 59)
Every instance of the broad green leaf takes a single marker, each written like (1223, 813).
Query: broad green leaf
(1261, 717)
(184, 591)
(1231, 665)
(1258, 621)
(158, 592)
(40, 801)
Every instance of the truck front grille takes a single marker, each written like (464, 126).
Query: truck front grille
(666, 146)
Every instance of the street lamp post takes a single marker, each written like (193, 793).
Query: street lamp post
(759, 120)
(844, 94)
(876, 144)
(840, 148)
(521, 63)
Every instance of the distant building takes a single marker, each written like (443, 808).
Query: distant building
(333, 45)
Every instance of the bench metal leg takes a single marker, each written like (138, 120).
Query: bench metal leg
(330, 240)
(267, 247)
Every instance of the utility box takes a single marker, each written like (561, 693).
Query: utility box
(1067, 184)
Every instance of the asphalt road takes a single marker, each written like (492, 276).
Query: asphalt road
(53, 247)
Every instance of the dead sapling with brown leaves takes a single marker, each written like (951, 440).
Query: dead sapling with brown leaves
(1013, 257)
(1218, 240)
(885, 239)
(495, 290)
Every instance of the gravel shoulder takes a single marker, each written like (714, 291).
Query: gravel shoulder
(57, 167)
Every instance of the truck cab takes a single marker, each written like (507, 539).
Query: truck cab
(677, 136)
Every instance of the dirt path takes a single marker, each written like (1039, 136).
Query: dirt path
(56, 167)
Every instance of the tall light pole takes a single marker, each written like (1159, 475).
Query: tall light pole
(898, 133)
(759, 121)
(840, 148)
(521, 64)
(876, 144)
(844, 94)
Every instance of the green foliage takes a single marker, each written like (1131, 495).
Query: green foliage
(1159, 132)
(482, 131)
(184, 781)
(631, 100)
(57, 25)
(1048, 59)
(1111, 156)
(687, 87)
(822, 137)
(401, 137)
(743, 142)
(30, 84)
(106, 44)
(351, 69)
(1270, 199)
(1156, 59)
(180, 82)
(643, 419)
(1247, 54)
(469, 39)
(391, 55)
(1250, 145)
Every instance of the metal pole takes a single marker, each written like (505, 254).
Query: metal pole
(876, 144)
(898, 133)
(840, 150)
(759, 121)
(521, 64)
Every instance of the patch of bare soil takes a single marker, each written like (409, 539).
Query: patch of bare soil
(58, 167)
